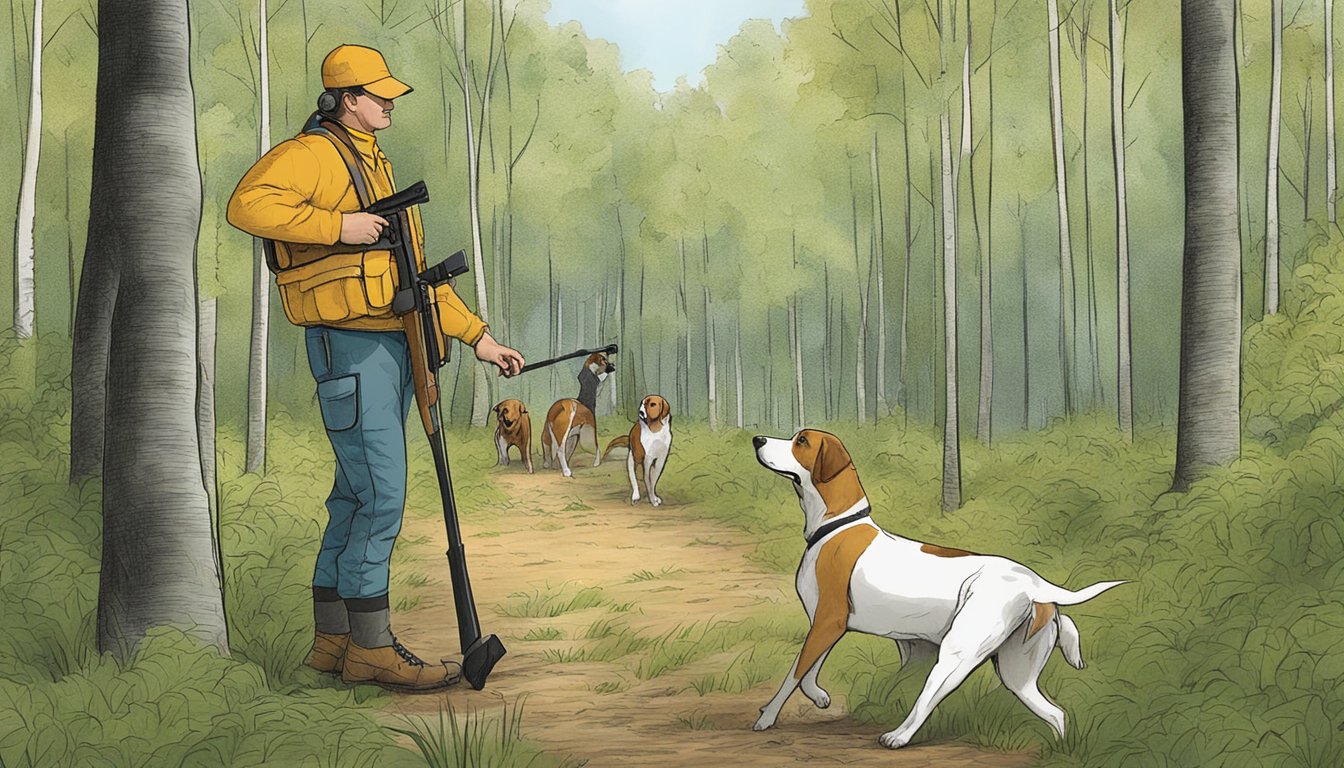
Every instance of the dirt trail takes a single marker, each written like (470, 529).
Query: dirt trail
(563, 534)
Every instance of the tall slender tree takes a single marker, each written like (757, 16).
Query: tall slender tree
(1067, 292)
(139, 284)
(951, 417)
(1209, 422)
(1124, 363)
(25, 311)
(1331, 180)
(1272, 171)
(261, 276)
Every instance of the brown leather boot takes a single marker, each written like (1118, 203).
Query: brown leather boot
(397, 669)
(328, 654)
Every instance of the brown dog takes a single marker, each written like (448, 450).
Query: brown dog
(572, 420)
(650, 442)
(513, 427)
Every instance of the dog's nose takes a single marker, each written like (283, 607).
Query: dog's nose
(758, 441)
(610, 367)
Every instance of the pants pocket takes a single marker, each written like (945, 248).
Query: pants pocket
(339, 400)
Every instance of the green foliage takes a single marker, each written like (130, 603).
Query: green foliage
(478, 740)
(175, 702)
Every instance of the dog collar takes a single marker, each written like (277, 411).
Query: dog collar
(831, 526)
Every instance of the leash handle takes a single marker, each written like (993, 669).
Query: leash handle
(610, 349)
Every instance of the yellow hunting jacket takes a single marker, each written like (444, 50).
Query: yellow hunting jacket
(295, 195)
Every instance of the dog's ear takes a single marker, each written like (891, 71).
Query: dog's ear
(831, 458)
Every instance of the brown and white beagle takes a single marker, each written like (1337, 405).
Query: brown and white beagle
(649, 443)
(961, 607)
(513, 428)
(572, 420)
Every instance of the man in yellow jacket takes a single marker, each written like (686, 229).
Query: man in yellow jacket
(304, 196)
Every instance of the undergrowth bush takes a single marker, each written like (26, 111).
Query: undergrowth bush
(176, 702)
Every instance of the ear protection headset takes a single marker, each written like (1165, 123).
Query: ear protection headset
(329, 102)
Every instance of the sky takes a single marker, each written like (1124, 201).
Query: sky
(670, 38)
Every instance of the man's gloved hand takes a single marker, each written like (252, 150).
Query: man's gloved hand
(361, 228)
(509, 361)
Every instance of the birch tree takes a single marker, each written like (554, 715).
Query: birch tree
(1124, 374)
(1272, 170)
(1331, 181)
(951, 431)
(261, 276)
(1067, 293)
(1209, 423)
(24, 304)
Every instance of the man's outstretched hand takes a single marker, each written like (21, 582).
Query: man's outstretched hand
(509, 361)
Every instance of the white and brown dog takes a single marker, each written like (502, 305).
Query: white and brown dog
(961, 607)
(649, 443)
(513, 428)
(572, 420)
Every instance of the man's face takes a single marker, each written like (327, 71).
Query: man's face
(367, 112)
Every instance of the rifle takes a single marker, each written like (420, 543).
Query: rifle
(414, 304)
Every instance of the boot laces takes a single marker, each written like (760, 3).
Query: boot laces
(405, 654)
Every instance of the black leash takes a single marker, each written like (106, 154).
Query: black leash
(610, 349)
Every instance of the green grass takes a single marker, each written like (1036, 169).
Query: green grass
(552, 602)
(477, 739)
(645, 574)
(175, 702)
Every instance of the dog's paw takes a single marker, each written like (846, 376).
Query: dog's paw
(765, 722)
(822, 699)
(656, 501)
(634, 499)
(893, 739)
(567, 473)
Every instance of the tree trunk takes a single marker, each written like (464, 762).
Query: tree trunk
(72, 285)
(880, 257)
(861, 338)
(261, 283)
(1094, 366)
(157, 563)
(796, 346)
(984, 414)
(737, 369)
(480, 398)
(207, 333)
(711, 372)
(1271, 306)
(1331, 183)
(1026, 326)
(684, 370)
(909, 256)
(24, 306)
(1306, 154)
(1209, 424)
(951, 435)
(1067, 292)
(1124, 375)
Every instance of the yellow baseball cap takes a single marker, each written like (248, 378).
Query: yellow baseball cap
(348, 66)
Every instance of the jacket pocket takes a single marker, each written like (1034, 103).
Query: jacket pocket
(338, 288)
(339, 400)
(379, 283)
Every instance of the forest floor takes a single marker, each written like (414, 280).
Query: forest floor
(633, 632)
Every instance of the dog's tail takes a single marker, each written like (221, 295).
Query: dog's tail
(1049, 593)
(1068, 641)
(620, 442)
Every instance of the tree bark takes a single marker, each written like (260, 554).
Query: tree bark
(158, 567)
(951, 434)
(24, 304)
(1209, 425)
(880, 257)
(984, 416)
(860, 393)
(1067, 291)
(207, 334)
(1331, 181)
(1272, 171)
(711, 374)
(796, 345)
(1124, 374)
(1026, 325)
(1094, 365)
(261, 283)
(737, 370)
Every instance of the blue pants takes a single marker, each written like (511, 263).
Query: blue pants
(365, 390)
